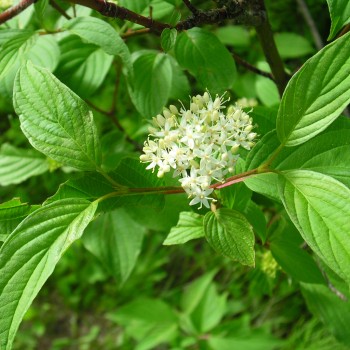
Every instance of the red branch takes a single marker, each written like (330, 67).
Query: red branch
(15, 10)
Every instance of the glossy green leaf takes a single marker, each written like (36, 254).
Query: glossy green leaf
(83, 67)
(340, 15)
(168, 39)
(115, 239)
(40, 8)
(231, 235)
(29, 255)
(286, 247)
(14, 50)
(55, 120)
(316, 94)
(292, 45)
(189, 226)
(206, 58)
(17, 165)
(98, 32)
(326, 305)
(319, 206)
(151, 83)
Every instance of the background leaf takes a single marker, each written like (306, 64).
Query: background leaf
(83, 67)
(151, 83)
(309, 104)
(168, 39)
(29, 255)
(326, 227)
(230, 234)
(55, 120)
(292, 45)
(115, 239)
(98, 32)
(17, 165)
(206, 58)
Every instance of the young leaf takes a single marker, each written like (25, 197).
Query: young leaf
(319, 207)
(116, 240)
(17, 165)
(151, 83)
(168, 38)
(206, 58)
(55, 120)
(231, 235)
(310, 104)
(340, 15)
(98, 32)
(190, 226)
(29, 255)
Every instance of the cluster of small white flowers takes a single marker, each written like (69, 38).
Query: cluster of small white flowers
(199, 144)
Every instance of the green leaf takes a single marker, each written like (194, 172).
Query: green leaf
(206, 58)
(231, 235)
(340, 16)
(168, 38)
(14, 50)
(286, 247)
(292, 45)
(29, 255)
(116, 240)
(55, 120)
(195, 292)
(319, 207)
(326, 305)
(98, 32)
(150, 321)
(17, 165)
(151, 83)
(256, 217)
(236, 196)
(189, 226)
(83, 67)
(236, 36)
(310, 104)
(45, 52)
(266, 89)
(251, 342)
(180, 86)
(40, 8)
(210, 310)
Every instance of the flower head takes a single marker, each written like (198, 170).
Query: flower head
(199, 144)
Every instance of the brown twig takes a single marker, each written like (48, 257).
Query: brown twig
(190, 6)
(111, 113)
(250, 67)
(131, 33)
(273, 58)
(59, 9)
(15, 10)
(311, 24)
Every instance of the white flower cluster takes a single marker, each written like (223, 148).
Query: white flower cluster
(199, 144)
